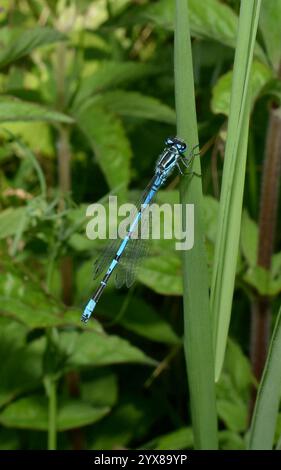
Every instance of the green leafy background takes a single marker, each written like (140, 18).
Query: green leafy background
(100, 75)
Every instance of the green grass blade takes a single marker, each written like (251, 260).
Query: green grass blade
(198, 333)
(227, 242)
(267, 405)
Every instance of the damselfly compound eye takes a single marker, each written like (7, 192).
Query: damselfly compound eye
(179, 143)
(169, 141)
(181, 146)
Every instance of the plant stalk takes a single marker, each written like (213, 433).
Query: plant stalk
(234, 168)
(197, 320)
(263, 426)
(64, 170)
(66, 265)
(261, 309)
(52, 414)
(64, 159)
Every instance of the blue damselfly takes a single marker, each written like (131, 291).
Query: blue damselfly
(172, 157)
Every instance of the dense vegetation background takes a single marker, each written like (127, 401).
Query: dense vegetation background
(87, 99)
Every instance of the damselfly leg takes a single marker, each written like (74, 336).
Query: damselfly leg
(187, 162)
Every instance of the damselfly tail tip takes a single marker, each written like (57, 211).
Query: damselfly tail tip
(88, 311)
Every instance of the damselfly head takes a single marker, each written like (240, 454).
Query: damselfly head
(176, 142)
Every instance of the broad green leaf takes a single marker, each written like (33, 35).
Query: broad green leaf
(270, 21)
(233, 414)
(210, 19)
(266, 283)
(79, 242)
(237, 365)
(128, 421)
(14, 109)
(276, 265)
(85, 289)
(24, 299)
(14, 351)
(263, 281)
(259, 278)
(273, 90)
(177, 440)
(249, 239)
(233, 388)
(101, 390)
(229, 440)
(9, 439)
(138, 317)
(132, 104)
(26, 41)
(268, 400)
(75, 414)
(100, 350)
(163, 274)
(37, 135)
(211, 209)
(32, 413)
(77, 215)
(92, 348)
(10, 221)
(232, 408)
(107, 137)
(260, 76)
(111, 75)
(52, 4)
(118, 6)
(274, 287)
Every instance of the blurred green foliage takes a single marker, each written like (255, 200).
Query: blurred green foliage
(95, 78)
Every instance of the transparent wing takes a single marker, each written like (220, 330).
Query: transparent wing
(102, 262)
(143, 195)
(141, 251)
(136, 250)
(140, 248)
(127, 269)
(120, 276)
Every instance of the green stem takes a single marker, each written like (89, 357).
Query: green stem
(123, 308)
(268, 217)
(26, 152)
(34, 9)
(18, 236)
(231, 199)
(52, 414)
(263, 426)
(64, 169)
(65, 184)
(51, 265)
(197, 320)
